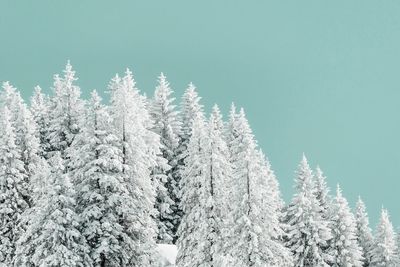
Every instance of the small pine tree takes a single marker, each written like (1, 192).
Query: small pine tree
(347, 251)
(364, 235)
(307, 232)
(167, 126)
(385, 246)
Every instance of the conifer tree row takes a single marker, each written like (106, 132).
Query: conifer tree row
(95, 183)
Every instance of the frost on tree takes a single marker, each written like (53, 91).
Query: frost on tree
(57, 240)
(308, 233)
(193, 176)
(40, 109)
(346, 250)
(322, 193)
(385, 248)
(66, 112)
(13, 201)
(191, 108)
(364, 233)
(167, 126)
(212, 197)
(254, 220)
(103, 202)
(140, 147)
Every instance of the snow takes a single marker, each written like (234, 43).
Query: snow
(167, 254)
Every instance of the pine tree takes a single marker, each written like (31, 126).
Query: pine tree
(66, 112)
(13, 201)
(385, 247)
(308, 233)
(364, 235)
(167, 126)
(26, 138)
(213, 199)
(40, 109)
(347, 251)
(255, 219)
(57, 240)
(193, 180)
(104, 204)
(140, 148)
(322, 193)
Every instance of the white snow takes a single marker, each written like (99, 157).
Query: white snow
(167, 254)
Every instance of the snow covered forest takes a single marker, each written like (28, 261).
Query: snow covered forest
(88, 183)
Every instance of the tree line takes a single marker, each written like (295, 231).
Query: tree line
(88, 183)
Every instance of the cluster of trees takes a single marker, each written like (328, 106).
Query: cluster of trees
(83, 183)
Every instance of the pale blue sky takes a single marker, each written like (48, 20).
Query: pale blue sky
(320, 77)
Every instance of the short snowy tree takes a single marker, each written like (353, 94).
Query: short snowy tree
(364, 234)
(13, 201)
(346, 250)
(254, 239)
(308, 232)
(385, 248)
(140, 147)
(167, 126)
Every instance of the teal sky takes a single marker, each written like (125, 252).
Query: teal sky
(319, 77)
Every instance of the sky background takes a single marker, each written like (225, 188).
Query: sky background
(319, 77)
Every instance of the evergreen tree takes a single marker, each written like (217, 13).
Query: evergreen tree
(140, 148)
(254, 220)
(40, 109)
(167, 126)
(13, 201)
(322, 193)
(307, 232)
(385, 247)
(213, 199)
(347, 251)
(104, 204)
(66, 112)
(57, 240)
(364, 235)
(193, 179)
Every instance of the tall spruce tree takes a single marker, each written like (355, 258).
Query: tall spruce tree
(167, 126)
(193, 178)
(385, 248)
(212, 196)
(307, 231)
(66, 113)
(140, 148)
(364, 234)
(13, 200)
(40, 112)
(56, 238)
(255, 225)
(103, 202)
(346, 250)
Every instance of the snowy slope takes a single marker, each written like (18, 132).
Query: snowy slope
(167, 254)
